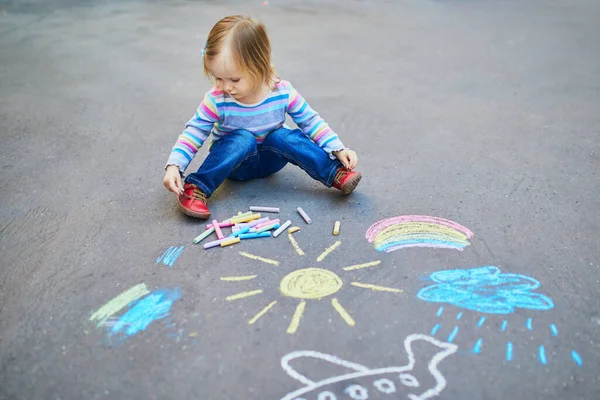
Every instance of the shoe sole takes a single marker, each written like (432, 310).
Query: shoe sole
(193, 214)
(351, 184)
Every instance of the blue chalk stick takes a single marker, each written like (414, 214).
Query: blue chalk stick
(240, 232)
(254, 235)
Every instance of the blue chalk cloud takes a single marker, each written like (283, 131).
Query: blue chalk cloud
(142, 313)
(485, 289)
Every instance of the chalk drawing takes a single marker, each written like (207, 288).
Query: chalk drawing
(577, 358)
(118, 303)
(477, 347)
(328, 250)
(459, 316)
(310, 283)
(452, 334)
(363, 381)
(542, 355)
(509, 351)
(170, 256)
(418, 231)
(503, 327)
(440, 311)
(295, 244)
(435, 329)
(481, 321)
(307, 284)
(485, 289)
(360, 266)
(554, 330)
(143, 312)
(529, 326)
(265, 260)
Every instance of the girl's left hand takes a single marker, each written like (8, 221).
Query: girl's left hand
(348, 158)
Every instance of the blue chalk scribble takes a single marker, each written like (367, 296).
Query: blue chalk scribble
(554, 330)
(459, 316)
(503, 327)
(440, 311)
(542, 355)
(154, 306)
(452, 334)
(481, 321)
(477, 347)
(485, 289)
(170, 256)
(509, 351)
(529, 324)
(435, 329)
(577, 358)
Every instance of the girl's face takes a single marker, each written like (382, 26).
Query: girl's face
(231, 79)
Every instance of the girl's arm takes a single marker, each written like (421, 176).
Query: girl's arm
(313, 126)
(197, 130)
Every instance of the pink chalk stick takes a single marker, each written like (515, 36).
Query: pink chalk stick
(266, 223)
(221, 225)
(215, 223)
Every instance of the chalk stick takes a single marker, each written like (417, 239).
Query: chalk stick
(241, 231)
(215, 225)
(264, 209)
(245, 218)
(270, 222)
(282, 228)
(267, 228)
(293, 229)
(203, 235)
(214, 243)
(230, 241)
(224, 224)
(304, 215)
(244, 236)
(336, 228)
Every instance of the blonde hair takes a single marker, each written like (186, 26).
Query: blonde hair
(250, 47)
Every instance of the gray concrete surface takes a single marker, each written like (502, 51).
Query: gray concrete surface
(482, 112)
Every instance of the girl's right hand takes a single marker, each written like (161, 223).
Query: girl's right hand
(172, 180)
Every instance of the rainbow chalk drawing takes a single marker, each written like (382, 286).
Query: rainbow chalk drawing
(144, 311)
(485, 289)
(410, 381)
(418, 231)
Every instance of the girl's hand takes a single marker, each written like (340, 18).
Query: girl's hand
(172, 180)
(348, 158)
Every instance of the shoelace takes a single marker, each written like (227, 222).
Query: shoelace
(198, 195)
(339, 175)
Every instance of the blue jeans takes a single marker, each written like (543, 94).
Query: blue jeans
(237, 156)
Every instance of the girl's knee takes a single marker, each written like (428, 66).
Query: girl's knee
(243, 139)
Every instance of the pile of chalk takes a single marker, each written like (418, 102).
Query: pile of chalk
(250, 225)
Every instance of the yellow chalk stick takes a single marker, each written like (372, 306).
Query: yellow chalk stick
(231, 241)
(336, 228)
(246, 218)
(293, 229)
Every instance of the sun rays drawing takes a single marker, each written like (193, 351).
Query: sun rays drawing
(306, 285)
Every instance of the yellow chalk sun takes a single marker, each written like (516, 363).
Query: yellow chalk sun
(306, 284)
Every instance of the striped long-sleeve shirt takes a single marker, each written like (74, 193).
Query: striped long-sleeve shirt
(220, 114)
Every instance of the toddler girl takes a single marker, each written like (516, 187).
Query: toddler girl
(245, 112)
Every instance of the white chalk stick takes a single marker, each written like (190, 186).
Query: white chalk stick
(282, 228)
(264, 209)
(304, 215)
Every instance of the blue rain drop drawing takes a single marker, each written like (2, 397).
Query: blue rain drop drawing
(485, 289)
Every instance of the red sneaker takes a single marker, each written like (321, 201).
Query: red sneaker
(193, 202)
(346, 181)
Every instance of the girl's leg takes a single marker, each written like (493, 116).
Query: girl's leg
(297, 148)
(225, 156)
